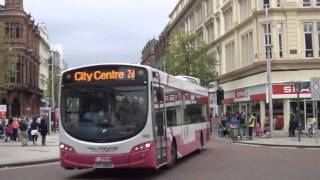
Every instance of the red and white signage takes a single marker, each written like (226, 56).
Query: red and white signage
(3, 111)
(283, 91)
(241, 94)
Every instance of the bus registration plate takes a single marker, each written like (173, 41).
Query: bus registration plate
(103, 162)
(103, 165)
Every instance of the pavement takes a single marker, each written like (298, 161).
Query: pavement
(13, 154)
(279, 139)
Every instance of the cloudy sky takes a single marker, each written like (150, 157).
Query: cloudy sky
(97, 31)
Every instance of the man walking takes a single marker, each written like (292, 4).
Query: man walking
(292, 124)
(24, 132)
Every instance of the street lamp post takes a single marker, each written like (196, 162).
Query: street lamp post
(298, 88)
(268, 59)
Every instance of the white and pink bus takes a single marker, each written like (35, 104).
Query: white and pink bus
(129, 116)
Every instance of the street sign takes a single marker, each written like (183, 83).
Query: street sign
(315, 88)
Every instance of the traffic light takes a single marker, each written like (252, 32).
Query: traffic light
(220, 96)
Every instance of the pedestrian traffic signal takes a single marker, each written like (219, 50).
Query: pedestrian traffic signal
(220, 96)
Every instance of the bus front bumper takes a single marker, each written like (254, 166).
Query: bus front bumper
(141, 159)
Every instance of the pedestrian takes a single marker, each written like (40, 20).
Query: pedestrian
(243, 124)
(258, 127)
(252, 123)
(292, 124)
(8, 132)
(43, 131)
(15, 126)
(29, 121)
(24, 132)
(34, 129)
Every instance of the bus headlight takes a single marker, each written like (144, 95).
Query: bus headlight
(64, 148)
(142, 147)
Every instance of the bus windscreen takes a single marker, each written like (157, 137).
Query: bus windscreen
(104, 104)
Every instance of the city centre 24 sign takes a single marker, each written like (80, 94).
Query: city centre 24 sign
(129, 74)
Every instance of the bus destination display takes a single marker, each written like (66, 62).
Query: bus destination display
(119, 73)
(130, 74)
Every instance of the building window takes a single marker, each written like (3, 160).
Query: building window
(218, 26)
(227, 19)
(230, 57)
(266, 3)
(318, 29)
(245, 9)
(14, 29)
(306, 3)
(280, 39)
(279, 3)
(308, 39)
(267, 41)
(247, 49)
(318, 3)
(209, 6)
(210, 32)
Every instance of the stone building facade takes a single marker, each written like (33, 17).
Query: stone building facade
(24, 96)
(237, 34)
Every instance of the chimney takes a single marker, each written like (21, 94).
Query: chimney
(14, 4)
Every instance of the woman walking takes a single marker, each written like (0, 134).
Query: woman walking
(43, 131)
(34, 131)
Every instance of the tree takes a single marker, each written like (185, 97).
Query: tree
(8, 61)
(187, 55)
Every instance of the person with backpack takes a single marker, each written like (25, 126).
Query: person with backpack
(24, 132)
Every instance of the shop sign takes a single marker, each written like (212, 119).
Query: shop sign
(288, 89)
(315, 88)
(242, 94)
(3, 111)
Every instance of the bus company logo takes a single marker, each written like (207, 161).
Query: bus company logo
(102, 149)
(105, 75)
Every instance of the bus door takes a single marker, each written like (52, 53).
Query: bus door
(159, 124)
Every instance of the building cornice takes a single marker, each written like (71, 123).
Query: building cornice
(184, 11)
(276, 65)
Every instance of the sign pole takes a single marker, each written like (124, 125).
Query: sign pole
(317, 126)
(315, 96)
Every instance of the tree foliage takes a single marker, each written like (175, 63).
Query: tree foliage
(8, 61)
(186, 55)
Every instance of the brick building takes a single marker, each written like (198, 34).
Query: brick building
(149, 53)
(24, 96)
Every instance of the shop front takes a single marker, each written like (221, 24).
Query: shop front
(285, 100)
